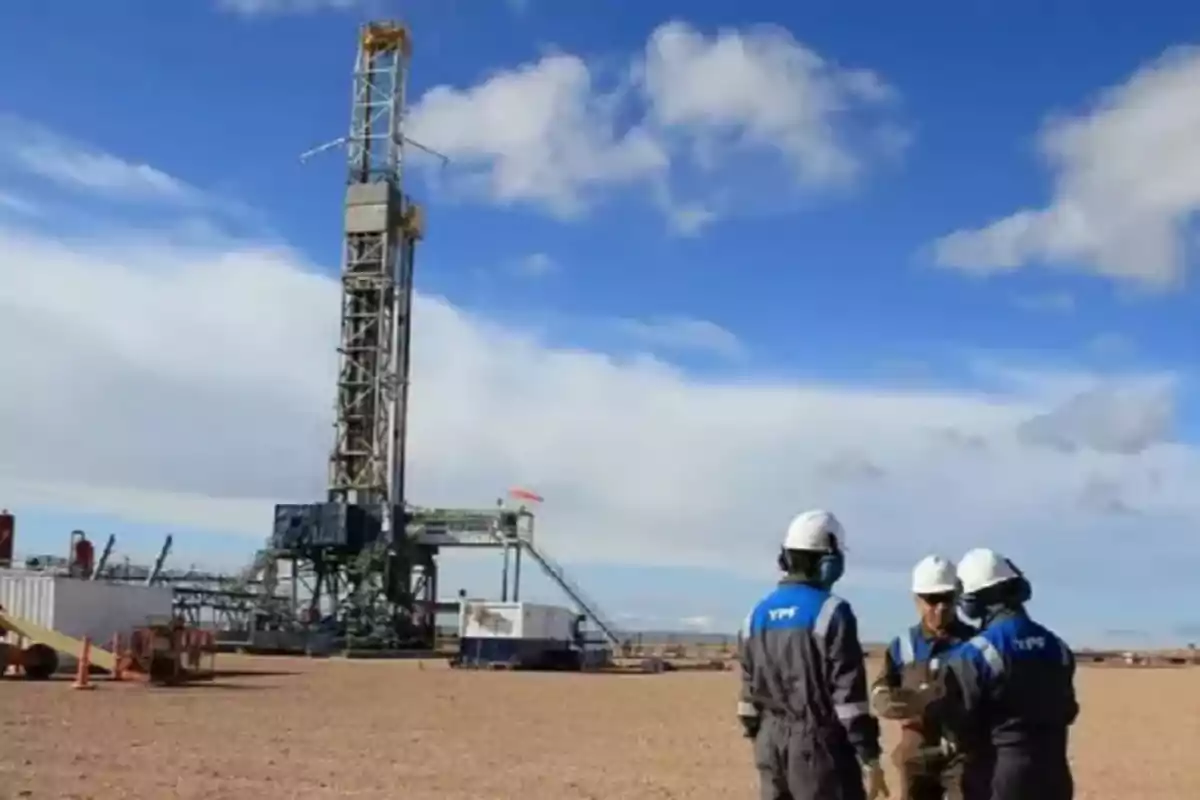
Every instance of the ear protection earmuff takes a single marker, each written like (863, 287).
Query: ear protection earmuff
(830, 567)
(973, 608)
(1024, 589)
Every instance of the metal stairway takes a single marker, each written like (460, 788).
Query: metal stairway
(502, 527)
(588, 606)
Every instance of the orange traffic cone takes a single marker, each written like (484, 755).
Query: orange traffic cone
(118, 673)
(82, 676)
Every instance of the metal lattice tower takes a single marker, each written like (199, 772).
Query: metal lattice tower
(355, 580)
(367, 464)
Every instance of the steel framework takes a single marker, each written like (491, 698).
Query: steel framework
(362, 566)
(364, 580)
(381, 229)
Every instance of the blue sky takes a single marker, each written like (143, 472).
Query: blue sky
(808, 345)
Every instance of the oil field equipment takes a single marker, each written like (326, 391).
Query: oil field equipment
(169, 653)
(523, 636)
(40, 658)
(359, 568)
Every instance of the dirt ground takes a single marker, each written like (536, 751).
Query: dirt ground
(293, 728)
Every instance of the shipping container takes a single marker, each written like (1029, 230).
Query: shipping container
(532, 654)
(79, 608)
(485, 619)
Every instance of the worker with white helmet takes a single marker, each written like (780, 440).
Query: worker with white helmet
(1008, 693)
(928, 770)
(804, 684)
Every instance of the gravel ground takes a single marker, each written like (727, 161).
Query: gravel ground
(293, 728)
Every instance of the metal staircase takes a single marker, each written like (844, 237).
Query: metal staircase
(588, 606)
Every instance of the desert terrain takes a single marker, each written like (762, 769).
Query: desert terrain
(312, 729)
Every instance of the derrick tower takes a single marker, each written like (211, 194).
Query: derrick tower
(349, 556)
(362, 565)
(366, 466)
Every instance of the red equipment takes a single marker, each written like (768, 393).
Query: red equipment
(83, 555)
(8, 529)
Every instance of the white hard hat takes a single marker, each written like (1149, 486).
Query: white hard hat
(934, 575)
(981, 568)
(815, 530)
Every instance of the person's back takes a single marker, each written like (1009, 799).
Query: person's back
(1010, 697)
(1030, 706)
(804, 690)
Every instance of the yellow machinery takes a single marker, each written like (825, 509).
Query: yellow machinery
(165, 653)
(39, 660)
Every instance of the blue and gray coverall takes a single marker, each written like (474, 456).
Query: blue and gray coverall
(805, 681)
(1009, 702)
(906, 664)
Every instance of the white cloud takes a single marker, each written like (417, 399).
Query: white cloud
(547, 133)
(1126, 185)
(1112, 346)
(162, 385)
(18, 204)
(684, 333)
(535, 265)
(76, 166)
(689, 220)
(1127, 418)
(758, 88)
(264, 7)
(1056, 302)
(541, 133)
(190, 384)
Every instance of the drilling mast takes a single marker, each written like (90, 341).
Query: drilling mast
(351, 552)
(364, 562)
(366, 466)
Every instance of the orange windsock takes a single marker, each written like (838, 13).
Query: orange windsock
(518, 493)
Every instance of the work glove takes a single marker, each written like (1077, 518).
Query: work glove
(876, 784)
(905, 703)
(750, 726)
(894, 703)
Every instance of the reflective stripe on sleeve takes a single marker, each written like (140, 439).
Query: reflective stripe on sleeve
(907, 653)
(991, 655)
(745, 709)
(848, 711)
(825, 616)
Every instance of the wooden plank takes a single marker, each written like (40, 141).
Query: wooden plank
(58, 641)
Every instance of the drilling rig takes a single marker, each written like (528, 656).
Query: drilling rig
(362, 564)
(351, 549)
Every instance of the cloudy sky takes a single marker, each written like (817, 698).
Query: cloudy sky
(692, 269)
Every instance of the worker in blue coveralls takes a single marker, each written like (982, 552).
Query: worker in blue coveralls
(804, 684)
(928, 770)
(1007, 695)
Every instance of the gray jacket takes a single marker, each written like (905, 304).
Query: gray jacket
(802, 661)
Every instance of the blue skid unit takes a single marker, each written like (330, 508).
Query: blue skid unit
(514, 653)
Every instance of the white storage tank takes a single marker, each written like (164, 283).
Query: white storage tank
(79, 608)
(530, 635)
